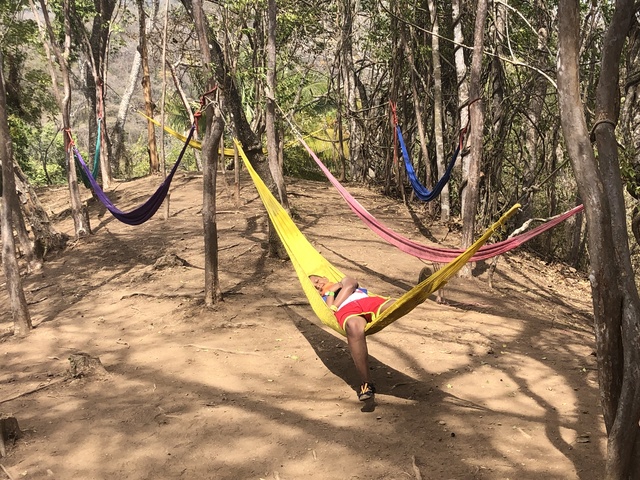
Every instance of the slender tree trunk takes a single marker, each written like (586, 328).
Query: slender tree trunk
(78, 210)
(272, 133)
(418, 112)
(96, 47)
(538, 89)
(461, 70)
(149, 106)
(350, 91)
(342, 175)
(210, 147)
(187, 108)
(230, 98)
(615, 295)
(19, 310)
(118, 132)
(163, 157)
(470, 192)
(438, 120)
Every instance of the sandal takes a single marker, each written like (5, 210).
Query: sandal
(367, 390)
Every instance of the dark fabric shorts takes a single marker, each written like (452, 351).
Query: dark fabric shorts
(368, 307)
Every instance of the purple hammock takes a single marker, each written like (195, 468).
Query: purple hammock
(145, 211)
(434, 254)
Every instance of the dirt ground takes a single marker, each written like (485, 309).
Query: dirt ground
(495, 384)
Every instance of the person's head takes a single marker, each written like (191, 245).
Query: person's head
(319, 282)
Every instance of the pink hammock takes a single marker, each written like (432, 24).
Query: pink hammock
(434, 254)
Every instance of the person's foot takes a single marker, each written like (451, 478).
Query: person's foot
(366, 391)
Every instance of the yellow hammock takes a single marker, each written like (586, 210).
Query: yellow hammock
(228, 152)
(308, 261)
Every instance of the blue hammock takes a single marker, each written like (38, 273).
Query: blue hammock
(421, 191)
(145, 211)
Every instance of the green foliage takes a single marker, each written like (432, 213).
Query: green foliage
(39, 150)
(631, 176)
(139, 152)
(15, 32)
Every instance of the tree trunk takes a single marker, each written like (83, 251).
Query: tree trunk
(438, 120)
(78, 210)
(96, 51)
(538, 90)
(461, 69)
(470, 192)
(276, 248)
(187, 108)
(349, 85)
(272, 133)
(210, 147)
(19, 310)
(118, 132)
(231, 100)
(45, 237)
(418, 112)
(615, 295)
(149, 106)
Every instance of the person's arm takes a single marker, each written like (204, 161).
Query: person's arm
(341, 291)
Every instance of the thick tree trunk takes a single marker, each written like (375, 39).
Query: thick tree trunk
(45, 237)
(19, 310)
(470, 192)
(615, 295)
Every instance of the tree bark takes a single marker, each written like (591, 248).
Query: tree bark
(149, 106)
(615, 295)
(271, 130)
(438, 118)
(231, 102)
(100, 33)
(19, 310)
(470, 192)
(118, 133)
(349, 85)
(461, 67)
(78, 210)
(45, 237)
(187, 108)
(210, 147)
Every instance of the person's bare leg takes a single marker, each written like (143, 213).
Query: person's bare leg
(386, 305)
(358, 346)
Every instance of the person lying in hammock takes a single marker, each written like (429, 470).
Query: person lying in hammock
(353, 308)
